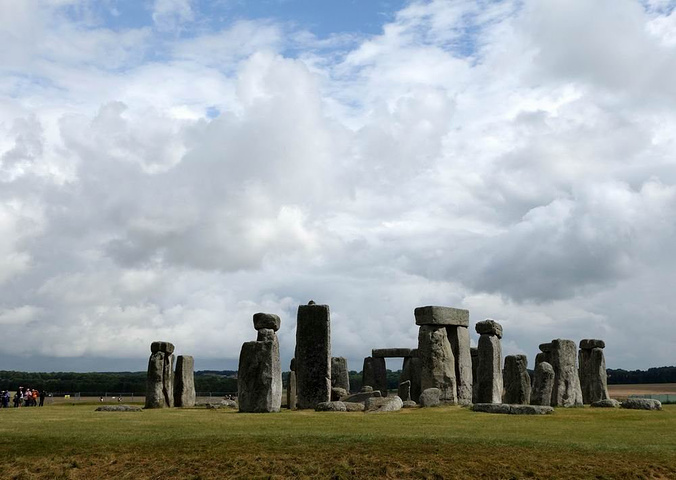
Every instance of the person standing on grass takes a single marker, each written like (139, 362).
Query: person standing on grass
(42, 398)
(35, 397)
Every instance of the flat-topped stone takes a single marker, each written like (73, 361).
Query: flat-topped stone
(589, 343)
(489, 327)
(642, 404)
(266, 320)
(166, 347)
(433, 315)
(390, 352)
(512, 409)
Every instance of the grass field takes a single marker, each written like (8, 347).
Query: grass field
(623, 391)
(65, 441)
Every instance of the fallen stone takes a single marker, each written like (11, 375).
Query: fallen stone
(184, 382)
(567, 391)
(229, 403)
(404, 390)
(516, 380)
(409, 404)
(366, 388)
(390, 352)
(437, 362)
(489, 327)
(512, 409)
(458, 337)
(361, 397)
(118, 408)
(338, 393)
(642, 404)
(588, 344)
(430, 397)
(383, 404)
(266, 320)
(354, 407)
(543, 385)
(340, 376)
(607, 403)
(433, 315)
(331, 407)
(166, 347)
(313, 355)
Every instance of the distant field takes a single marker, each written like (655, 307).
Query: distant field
(74, 442)
(623, 391)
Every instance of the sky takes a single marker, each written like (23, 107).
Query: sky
(168, 168)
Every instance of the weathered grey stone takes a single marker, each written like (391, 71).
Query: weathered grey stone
(607, 403)
(374, 374)
(291, 391)
(229, 403)
(489, 327)
(433, 315)
(292, 365)
(516, 380)
(118, 408)
(567, 391)
(331, 407)
(593, 376)
(266, 335)
(404, 390)
(541, 357)
(458, 337)
(489, 371)
(414, 353)
(340, 376)
(367, 388)
(437, 362)
(474, 353)
(390, 352)
(266, 320)
(184, 382)
(589, 343)
(354, 407)
(338, 393)
(642, 404)
(430, 397)
(543, 385)
(166, 347)
(259, 377)
(160, 377)
(512, 409)
(545, 347)
(361, 397)
(313, 355)
(409, 404)
(383, 404)
(412, 371)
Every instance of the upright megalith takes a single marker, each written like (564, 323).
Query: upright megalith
(567, 391)
(516, 380)
(404, 390)
(543, 384)
(340, 376)
(474, 353)
(458, 336)
(259, 377)
(291, 387)
(184, 381)
(374, 374)
(160, 379)
(544, 355)
(593, 375)
(437, 362)
(412, 371)
(489, 362)
(313, 355)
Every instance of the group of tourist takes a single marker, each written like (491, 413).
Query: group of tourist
(24, 397)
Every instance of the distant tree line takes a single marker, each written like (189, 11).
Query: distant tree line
(652, 375)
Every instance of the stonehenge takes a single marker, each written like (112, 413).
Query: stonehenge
(489, 359)
(259, 376)
(374, 374)
(437, 362)
(340, 376)
(160, 379)
(412, 371)
(516, 381)
(313, 355)
(543, 385)
(593, 376)
(184, 382)
(566, 391)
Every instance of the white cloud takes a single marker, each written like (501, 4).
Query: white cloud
(171, 15)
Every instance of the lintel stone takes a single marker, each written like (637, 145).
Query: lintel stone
(588, 344)
(390, 352)
(447, 316)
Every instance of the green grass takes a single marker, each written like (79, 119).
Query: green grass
(66, 441)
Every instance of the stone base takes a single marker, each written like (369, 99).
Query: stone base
(512, 409)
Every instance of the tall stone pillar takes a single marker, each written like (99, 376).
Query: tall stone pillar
(374, 374)
(474, 352)
(291, 387)
(313, 355)
(593, 375)
(437, 362)
(543, 384)
(516, 380)
(184, 381)
(340, 376)
(458, 336)
(567, 391)
(412, 371)
(259, 377)
(544, 355)
(160, 379)
(489, 372)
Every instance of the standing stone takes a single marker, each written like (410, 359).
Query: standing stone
(516, 380)
(593, 375)
(489, 361)
(313, 355)
(259, 376)
(437, 362)
(404, 391)
(567, 391)
(474, 352)
(412, 371)
(543, 385)
(160, 378)
(460, 345)
(184, 381)
(544, 354)
(374, 374)
(340, 376)
(291, 387)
